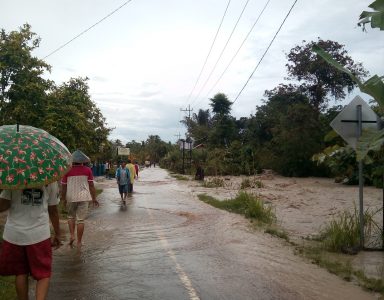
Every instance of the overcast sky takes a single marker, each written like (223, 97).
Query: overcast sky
(144, 60)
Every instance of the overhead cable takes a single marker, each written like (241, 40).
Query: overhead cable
(254, 70)
(237, 52)
(222, 51)
(89, 28)
(210, 50)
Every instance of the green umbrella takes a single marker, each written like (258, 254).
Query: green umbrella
(30, 157)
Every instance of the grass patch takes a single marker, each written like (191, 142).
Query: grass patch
(245, 204)
(340, 266)
(7, 283)
(278, 233)
(7, 287)
(342, 234)
(213, 183)
(248, 183)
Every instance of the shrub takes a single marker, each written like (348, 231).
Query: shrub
(213, 182)
(245, 204)
(247, 183)
(342, 234)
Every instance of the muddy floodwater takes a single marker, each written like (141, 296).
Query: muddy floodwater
(167, 244)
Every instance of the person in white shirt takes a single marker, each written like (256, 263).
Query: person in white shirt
(26, 247)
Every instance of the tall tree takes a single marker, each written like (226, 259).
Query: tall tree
(22, 88)
(199, 125)
(289, 132)
(155, 148)
(74, 118)
(319, 80)
(223, 124)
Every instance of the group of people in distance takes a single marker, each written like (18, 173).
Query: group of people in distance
(26, 247)
(125, 177)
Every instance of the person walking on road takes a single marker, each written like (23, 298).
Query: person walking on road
(132, 172)
(26, 247)
(137, 169)
(77, 191)
(122, 179)
(107, 166)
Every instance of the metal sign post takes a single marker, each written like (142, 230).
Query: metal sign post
(361, 206)
(349, 124)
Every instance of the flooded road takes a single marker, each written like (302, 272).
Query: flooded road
(168, 245)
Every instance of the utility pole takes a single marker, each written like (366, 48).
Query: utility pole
(188, 139)
(178, 136)
(187, 110)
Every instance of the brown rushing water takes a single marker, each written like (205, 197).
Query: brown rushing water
(168, 245)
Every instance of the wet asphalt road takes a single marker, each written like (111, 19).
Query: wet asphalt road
(168, 245)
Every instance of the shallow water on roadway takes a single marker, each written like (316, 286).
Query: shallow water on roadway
(167, 244)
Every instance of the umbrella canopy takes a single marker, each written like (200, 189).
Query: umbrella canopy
(79, 157)
(30, 157)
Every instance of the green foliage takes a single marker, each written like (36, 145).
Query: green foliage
(373, 86)
(343, 232)
(65, 111)
(342, 163)
(245, 204)
(375, 18)
(370, 140)
(173, 160)
(220, 104)
(216, 162)
(320, 81)
(22, 87)
(7, 287)
(74, 118)
(289, 120)
(278, 233)
(7, 283)
(341, 268)
(251, 183)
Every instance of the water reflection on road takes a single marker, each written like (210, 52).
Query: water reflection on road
(167, 244)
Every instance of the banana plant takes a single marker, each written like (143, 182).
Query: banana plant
(376, 17)
(374, 86)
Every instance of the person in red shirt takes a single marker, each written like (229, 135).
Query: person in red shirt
(77, 191)
(137, 169)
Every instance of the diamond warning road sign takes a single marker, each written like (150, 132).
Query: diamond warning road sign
(346, 122)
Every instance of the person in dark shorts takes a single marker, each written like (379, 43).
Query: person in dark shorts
(122, 179)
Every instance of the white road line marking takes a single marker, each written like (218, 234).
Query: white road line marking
(180, 272)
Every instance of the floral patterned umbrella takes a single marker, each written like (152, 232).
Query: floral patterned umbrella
(30, 157)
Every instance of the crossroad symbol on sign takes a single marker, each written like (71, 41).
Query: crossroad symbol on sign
(346, 122)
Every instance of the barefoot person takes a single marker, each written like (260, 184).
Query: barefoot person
(26, 248)
(76, 192)
(122, 179)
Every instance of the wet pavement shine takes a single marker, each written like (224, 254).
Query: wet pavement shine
(166, 244)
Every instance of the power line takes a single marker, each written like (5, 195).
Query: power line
(230, 62)
(209, 53)
(89, 28)
(270, 44)
(225, 46)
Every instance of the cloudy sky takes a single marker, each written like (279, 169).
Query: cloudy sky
(143, 61)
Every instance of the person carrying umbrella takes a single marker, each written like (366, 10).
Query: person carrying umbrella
(31, 162)
(77, 190)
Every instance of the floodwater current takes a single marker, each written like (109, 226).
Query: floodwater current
(166, 244)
